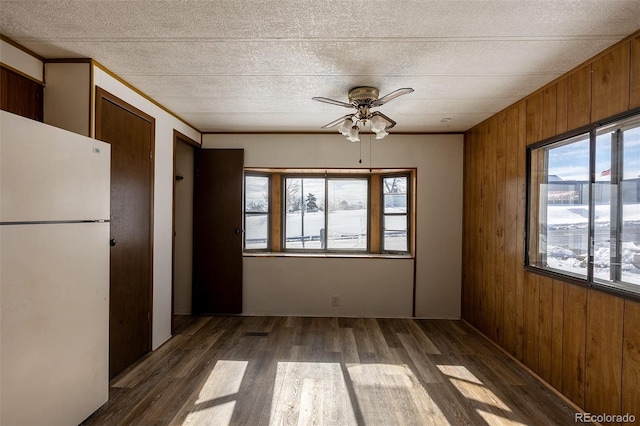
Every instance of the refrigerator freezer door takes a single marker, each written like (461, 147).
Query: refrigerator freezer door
(54, 353)
(50, 174)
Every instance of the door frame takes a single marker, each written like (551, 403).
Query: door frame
(101, 95)
(177, 137)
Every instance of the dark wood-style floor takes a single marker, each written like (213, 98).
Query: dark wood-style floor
(331, 371)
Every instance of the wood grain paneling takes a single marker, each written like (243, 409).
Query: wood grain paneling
(511, 259)
(534, 118)
(521, 159)
(489, 197)
(604, 353)
(546, 328)
(579, 98)
(631, 359)
(561, 106)
(573, 343)
(634, 74)
(557, 331)
(499, 226)
(480, 255)
(549, 111)
(543, 322)
(610, 83)
(531, 322)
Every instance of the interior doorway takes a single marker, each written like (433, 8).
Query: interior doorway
(183, 166)
(131, 134)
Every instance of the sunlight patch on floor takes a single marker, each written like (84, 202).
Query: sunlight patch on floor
(217, 399)
(494, 419)
(310, 393)
(334, 393)
(392, 394)
(473, 389)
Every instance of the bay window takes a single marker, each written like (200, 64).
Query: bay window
(336, 211)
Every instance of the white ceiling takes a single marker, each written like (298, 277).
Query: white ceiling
(253, 66)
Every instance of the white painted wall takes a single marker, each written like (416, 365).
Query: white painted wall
(183, 259)
(368, 287)
(162, 200)
(67, 96)
(21, 61)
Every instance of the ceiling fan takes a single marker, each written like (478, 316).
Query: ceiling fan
(363, 98)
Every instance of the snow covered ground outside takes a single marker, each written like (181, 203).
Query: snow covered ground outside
(569, 223)
(566, 236)
(347, 231)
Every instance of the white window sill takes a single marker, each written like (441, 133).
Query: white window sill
(330, 255)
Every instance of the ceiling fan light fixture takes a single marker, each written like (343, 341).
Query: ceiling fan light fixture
(354, 134)
(377, 124)
(381, 134)
(345, 127)
(362, 99)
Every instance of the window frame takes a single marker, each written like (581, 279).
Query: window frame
(408, 213)
(626, 120)
(375, 208)
(245, 213)
(327, 177)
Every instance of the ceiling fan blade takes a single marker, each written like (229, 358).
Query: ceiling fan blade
(390, 122)
(332, 101)
(386, 98)
(336, 122)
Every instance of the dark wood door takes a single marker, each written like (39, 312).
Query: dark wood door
(217, 275)
(131, 135)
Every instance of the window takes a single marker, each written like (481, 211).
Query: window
(328, 211)
(256, 212)
(584, 206)
(395, 218)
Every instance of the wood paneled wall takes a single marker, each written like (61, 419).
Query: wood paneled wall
(583, 342)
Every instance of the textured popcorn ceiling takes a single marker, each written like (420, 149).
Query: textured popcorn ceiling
(253, 66)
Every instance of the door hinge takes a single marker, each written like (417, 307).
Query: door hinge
(151, 155)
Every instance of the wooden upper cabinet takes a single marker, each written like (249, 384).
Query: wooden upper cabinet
(21, 95)
(634, 86)
(610, 83)
(579, 98)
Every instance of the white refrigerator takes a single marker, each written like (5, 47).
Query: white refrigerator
(54, 272)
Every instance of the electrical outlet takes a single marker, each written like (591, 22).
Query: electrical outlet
(335, 300)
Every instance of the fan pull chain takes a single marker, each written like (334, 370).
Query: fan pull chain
(370, 152)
